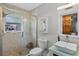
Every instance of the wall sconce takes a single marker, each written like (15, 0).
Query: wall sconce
(67, 38)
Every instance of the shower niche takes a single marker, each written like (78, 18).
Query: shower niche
(12, 23)
(69, 24)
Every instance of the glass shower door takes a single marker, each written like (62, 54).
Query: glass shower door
(34, 29)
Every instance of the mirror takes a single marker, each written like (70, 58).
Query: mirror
(70, 24)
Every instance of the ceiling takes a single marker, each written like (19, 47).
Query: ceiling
(26, 6)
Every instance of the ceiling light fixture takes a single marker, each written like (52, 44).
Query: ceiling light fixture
(66, 6)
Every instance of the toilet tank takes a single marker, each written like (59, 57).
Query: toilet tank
(42, 43)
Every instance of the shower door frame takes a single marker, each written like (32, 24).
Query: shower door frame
(36, 19)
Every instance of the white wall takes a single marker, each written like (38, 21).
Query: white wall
(49, 11)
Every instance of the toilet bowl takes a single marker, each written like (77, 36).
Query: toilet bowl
(38, 50)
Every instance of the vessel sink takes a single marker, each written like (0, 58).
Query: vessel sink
(66, 47)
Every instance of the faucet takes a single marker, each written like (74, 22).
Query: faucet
(67, 38)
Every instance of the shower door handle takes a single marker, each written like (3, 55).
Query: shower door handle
(22, 34)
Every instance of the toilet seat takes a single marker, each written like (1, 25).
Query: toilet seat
(36, 51)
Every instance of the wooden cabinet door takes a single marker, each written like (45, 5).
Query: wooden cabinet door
(1, 29)
(67, 24)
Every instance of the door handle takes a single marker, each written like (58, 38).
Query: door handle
(22, 34)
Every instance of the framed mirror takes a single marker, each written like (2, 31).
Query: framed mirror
(70, 24)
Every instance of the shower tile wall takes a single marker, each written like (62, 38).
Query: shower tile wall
(10, 42)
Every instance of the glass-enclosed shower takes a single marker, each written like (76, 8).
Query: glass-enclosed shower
(18, 31)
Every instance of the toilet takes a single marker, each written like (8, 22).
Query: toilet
(42, 45)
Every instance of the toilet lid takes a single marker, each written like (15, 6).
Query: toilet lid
(35, 51)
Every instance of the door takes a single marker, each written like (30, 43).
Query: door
(34, 29)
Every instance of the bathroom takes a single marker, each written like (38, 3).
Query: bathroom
(15, 41)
